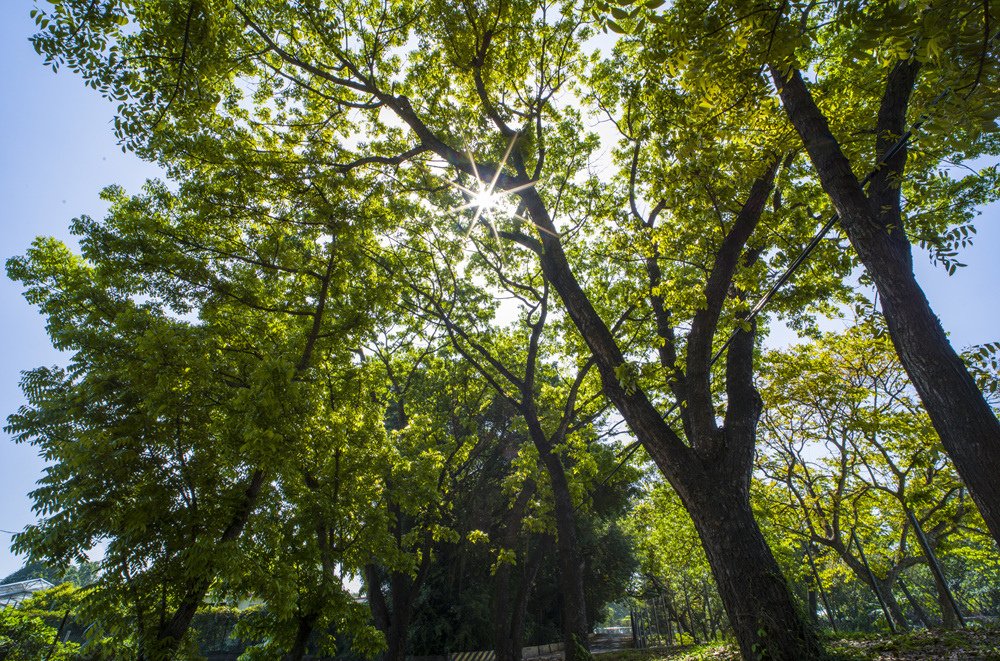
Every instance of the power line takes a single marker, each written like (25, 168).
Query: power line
(802, 256)
(786, 275)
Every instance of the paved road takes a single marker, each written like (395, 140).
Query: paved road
(604, 643)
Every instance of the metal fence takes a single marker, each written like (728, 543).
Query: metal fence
(651, 625)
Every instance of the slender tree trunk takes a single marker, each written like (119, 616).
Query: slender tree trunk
(949, 620)
(304, 630)
(895, 611)
(502, 605)
(574, 605)
(960, 414)
(915, 605)
(813, 600)
(509, 605)
(690, 614)
(170, 634)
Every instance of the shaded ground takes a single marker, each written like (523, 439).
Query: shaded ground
(920, 645)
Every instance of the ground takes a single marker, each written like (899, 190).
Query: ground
(923, 645)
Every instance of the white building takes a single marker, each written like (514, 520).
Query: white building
(11, 594)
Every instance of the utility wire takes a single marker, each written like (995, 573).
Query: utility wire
(802, 256)
(786, 275)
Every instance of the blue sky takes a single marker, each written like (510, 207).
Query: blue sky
(57, 150)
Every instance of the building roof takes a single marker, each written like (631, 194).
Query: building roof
(16, 592)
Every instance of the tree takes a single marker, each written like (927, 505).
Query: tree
(677, 238)
(852, 77)
(434, 405)
(82, 574)
(860, 461)
(321, 526)
(521, 363)
(674, 565)
(327, 75)
(194, 329)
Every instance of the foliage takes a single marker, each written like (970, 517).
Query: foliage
(27, 637)
(80, 574)
(385, 222)
(848, 452)
(672, 563)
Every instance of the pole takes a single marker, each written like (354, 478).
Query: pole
(934, 565)
(822, 590)
(871, 577)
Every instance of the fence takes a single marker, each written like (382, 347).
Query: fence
(533, 652)
(652, 625)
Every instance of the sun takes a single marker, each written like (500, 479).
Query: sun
(484, 200)
(484, 197)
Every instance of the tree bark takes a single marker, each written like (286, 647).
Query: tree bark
(712, 476)
(307, 623)
(510, 594)
(813, 600)
(393, 621)
(749, 581)
(960, 414)
(895, 611)
(949, 619)
(571, 566)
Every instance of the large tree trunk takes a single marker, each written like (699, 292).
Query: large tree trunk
(712, 475)
(756, 596)
(960, 414)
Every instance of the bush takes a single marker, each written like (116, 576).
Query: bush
(26, 637)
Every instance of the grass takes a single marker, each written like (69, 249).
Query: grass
(939, 645)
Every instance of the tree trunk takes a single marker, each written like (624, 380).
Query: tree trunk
(502, 607)
(960, 414)
(712, 475)
(304, 630)
(813, 600)
(895, 611)
(397, 634)
(170, 634)
(915, 605)
(509, 632)
(753, 589)
(574, 604)
(690, 614)
(393, 621)
(949, 619)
